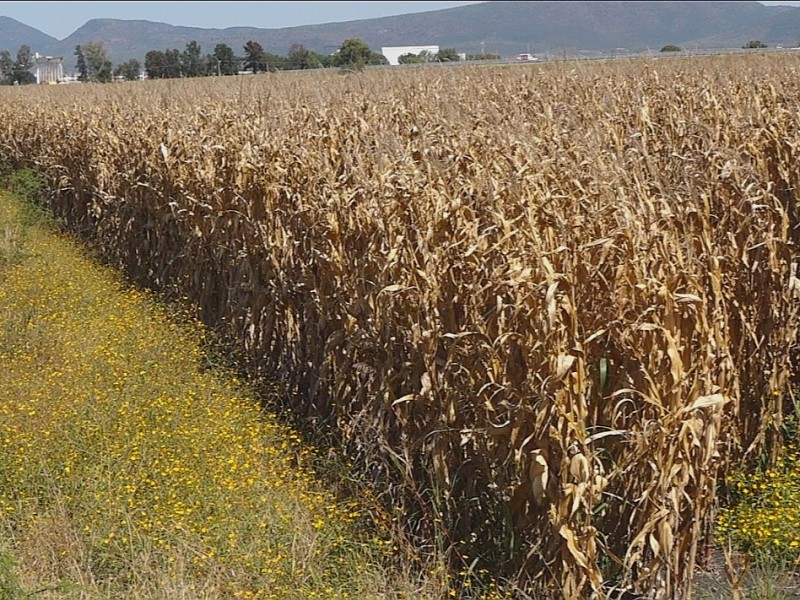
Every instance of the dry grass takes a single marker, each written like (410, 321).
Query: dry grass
(548, 307)
(127, 470)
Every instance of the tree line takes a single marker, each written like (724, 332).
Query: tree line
(93, 65)
(92, 62)
(354, 53)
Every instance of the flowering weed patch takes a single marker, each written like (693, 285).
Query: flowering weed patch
(128, 471)
(765, 517)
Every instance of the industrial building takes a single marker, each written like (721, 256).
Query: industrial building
(48, 69)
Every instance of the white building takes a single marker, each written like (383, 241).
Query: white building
(48, 69)
(393, 53)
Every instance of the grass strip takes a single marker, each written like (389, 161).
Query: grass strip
(129, 470)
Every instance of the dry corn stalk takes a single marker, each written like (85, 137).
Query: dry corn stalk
(562, 295)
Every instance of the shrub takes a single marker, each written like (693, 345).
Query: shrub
(28, 184)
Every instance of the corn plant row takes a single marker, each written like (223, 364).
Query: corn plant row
(550, 307)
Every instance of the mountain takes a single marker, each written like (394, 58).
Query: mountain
(133, 39)
(505, 28)
(780, 29)
(14, 34)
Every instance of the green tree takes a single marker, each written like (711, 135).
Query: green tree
(25, 57)
(254, 57)
(6, 68)
(98, 67)
(327, 60)
(226, 61)
(410, 58)
(376, 58)
(210, 65)
(300, 57)
(129, 70)
(20, 72)
(80, 64)
(192, 60)
(172, 64)
(448, 55)
(354, 54)
(671, 48)
(274, 62)
(154, 62)
(317, 59)
(754, 44)
(483, 56)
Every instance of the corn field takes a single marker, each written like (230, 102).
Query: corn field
(550, 307)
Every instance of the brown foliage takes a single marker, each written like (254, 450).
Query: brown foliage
(558, 301)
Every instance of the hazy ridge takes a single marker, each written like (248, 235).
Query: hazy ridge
(506, 28)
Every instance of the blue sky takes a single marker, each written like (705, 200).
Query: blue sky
(60, 19)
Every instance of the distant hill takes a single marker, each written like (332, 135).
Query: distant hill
(782, 28)
(505, 28)
(14, 34)
(133, 39)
